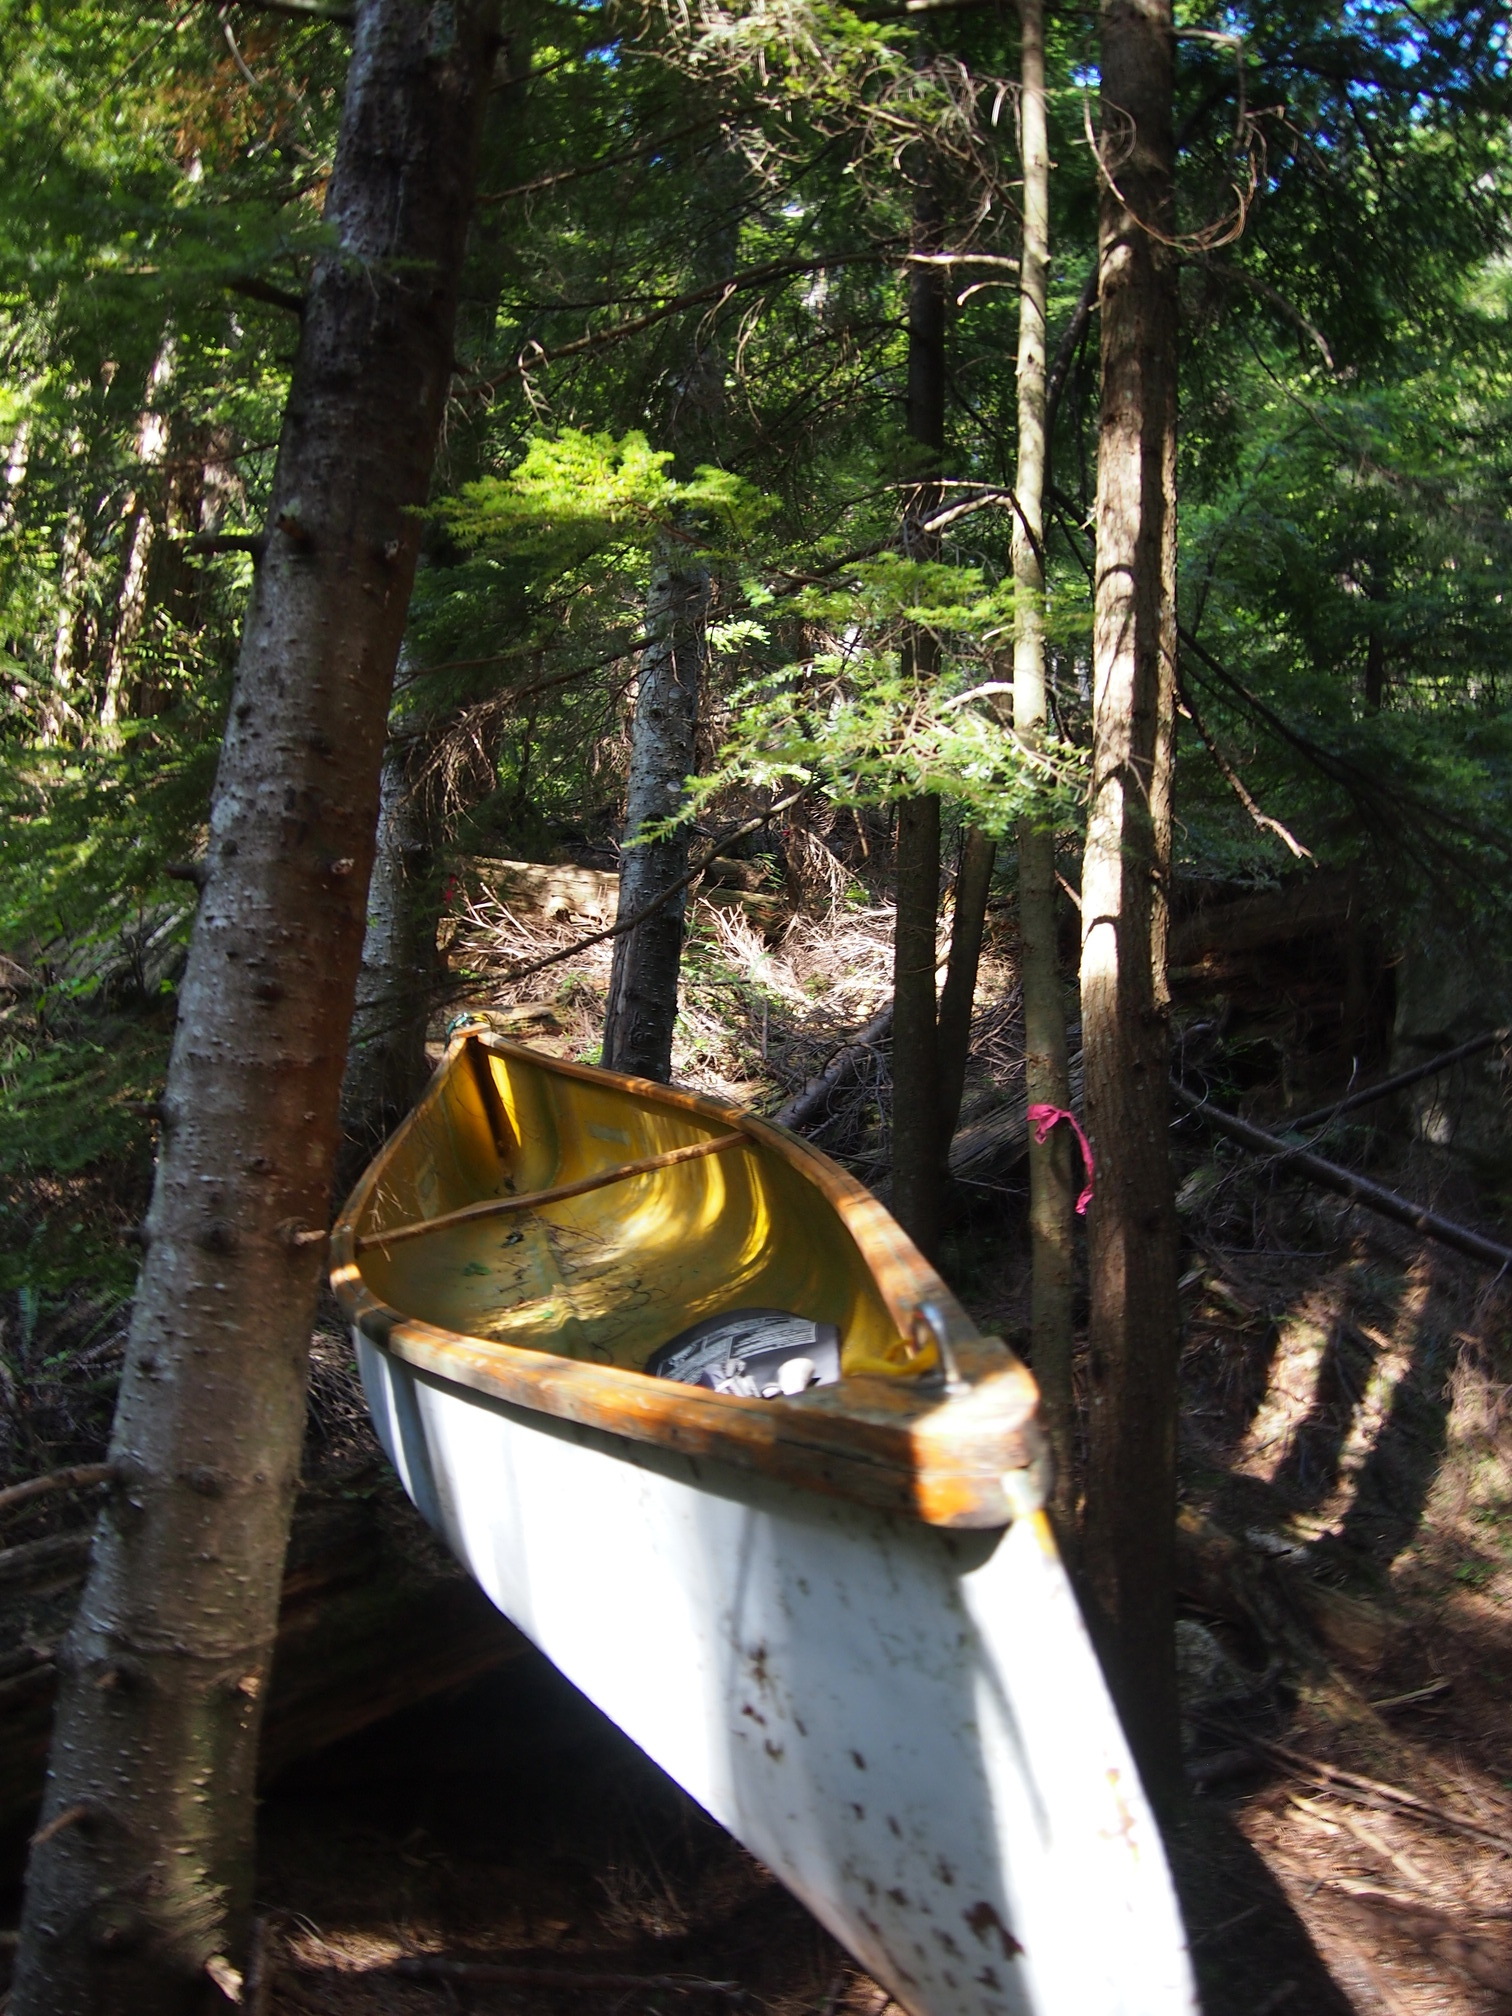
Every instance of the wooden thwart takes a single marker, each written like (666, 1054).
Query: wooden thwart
(532, 1200)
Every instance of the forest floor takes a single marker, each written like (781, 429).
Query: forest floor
(1346, 1643)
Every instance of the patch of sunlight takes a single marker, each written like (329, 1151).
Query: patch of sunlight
(1394, 1355)
(1301, 1344)
(344, 1951)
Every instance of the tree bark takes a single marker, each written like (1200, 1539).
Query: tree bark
(386, 1065)
(918, 1139)
(1046, 1071)
(73, 577)
(131, 603)
(140, 1875)
(958, 995)
(641, 1015)
(917, 1147)
(1130, 1507)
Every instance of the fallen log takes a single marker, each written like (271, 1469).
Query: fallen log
(1358, 1189)
(1398, 1082)
(811, 1101)
(568, 895)
(989, 1142)
(374, 1617)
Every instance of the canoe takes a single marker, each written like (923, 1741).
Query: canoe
(706, 1426)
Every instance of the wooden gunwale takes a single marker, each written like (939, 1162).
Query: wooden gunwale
(532, 1200)
(893, 1443)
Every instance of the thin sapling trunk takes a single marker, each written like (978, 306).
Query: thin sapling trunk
(1046, 1070)
(642, 1010)
(958, 995)
(386, 1064)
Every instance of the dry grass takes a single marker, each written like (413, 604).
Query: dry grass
(761, 1010)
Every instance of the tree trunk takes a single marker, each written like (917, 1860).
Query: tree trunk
(1046, 1072)
(1129, 1524)
(642, 1009)
(386, 1067)
(374, 1616)
(131, 603)
(139, 1884)
(917, 1147)
(958, 995)
(918, 1140)
(73, 578)
(641, 1014)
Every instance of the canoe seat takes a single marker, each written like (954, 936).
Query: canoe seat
(753, 1353)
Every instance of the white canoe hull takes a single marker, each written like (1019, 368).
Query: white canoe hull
(907, 1725)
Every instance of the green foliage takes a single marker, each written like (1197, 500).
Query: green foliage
(575, 497)
(866, 732)
(75, 1160)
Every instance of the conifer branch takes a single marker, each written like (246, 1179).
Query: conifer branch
(717, 291)
(254, 289)
(304, 10)
(620, 160)
(254, 543)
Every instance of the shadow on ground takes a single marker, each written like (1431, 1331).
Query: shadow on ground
(515, 1824)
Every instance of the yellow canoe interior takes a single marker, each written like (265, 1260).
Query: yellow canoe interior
(608, 1276)
(603, 1278)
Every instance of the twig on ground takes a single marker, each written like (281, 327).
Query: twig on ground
(1372, 1792)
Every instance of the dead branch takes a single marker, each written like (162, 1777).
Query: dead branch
(620, 160)
(213, 543)
(304, 10)
(59, 1553)
(1359, 1189)
(1236, 783)
(718, 292)
(254, 289)
(1399, 1082)
(1371, 1792)
(1070, 342)
(804, 1105)
(80, 1477)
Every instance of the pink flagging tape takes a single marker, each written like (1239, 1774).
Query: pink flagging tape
(1042, 1119)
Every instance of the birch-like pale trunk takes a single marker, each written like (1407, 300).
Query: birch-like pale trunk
(73, 579)
(958, 995)
(1128, 1535)
(139, 1884)
(641, 1015)
(386, 1064)
(131, 602)
(1046, 1069)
